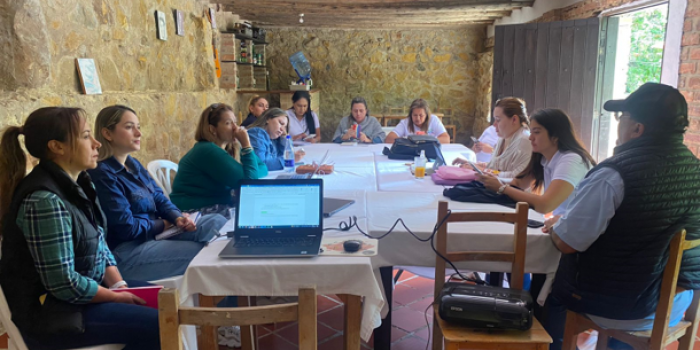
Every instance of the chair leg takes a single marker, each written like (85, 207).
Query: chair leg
(603, 338)
(570, 331)
(437, 335)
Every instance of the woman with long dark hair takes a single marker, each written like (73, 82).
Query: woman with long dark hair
(303, 122)
(370, 129)
(558, 163)
(56, 271)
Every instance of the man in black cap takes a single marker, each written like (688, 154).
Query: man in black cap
(615, 235)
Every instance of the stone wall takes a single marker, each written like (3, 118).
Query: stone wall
(389, 68)
(168, 82)
(689, 80)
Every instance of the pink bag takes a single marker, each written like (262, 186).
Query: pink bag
(456, 173)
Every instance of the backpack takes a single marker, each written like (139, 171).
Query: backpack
(408, 148)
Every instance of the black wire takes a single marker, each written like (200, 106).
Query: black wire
(352, 222)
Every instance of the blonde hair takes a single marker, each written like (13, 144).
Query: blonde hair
(513, 106)
(211, 116)
(108, 118)
(271, 113)
(254, 100)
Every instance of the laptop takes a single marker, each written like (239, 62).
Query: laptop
(277, 218)
(334, 205)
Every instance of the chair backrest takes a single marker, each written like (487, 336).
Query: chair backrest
(12, 331)
(171, 315)
(516, 257)
(160, 172)
(668, 292)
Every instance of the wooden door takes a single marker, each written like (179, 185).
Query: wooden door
(550, 65)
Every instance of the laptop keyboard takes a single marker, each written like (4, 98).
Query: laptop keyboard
(274, 242)
(294, 176)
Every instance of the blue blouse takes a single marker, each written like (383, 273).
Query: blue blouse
(269, 151)
(134, 204)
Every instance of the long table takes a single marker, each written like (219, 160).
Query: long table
(384, 190)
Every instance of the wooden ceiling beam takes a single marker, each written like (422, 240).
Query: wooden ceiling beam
(252, 16)
(295, 6)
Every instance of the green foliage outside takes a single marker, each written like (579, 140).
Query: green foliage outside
(646, 48)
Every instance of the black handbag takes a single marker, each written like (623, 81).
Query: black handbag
(475, 192)
(408, 148)
(58, 317)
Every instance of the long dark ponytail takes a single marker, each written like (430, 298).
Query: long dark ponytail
(559, 125)
(310, 124)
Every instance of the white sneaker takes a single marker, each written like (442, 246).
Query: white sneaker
(230, 336)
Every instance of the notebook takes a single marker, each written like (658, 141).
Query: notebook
(277, 218)
(147, 293)
(174, 230)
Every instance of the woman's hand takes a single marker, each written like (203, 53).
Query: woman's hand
(490, 181)
(364, 138)
(484, 147)
(298, 155)
(477, 146)
(549, 223)
(128, 298)
(349, 134)
(299, 137)
(459, 161)
(314, 140)
(185, 223)
(241, 134)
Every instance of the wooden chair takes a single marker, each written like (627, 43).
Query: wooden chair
(661, 335)
(171, 315)
(456, 336)
(452, 131)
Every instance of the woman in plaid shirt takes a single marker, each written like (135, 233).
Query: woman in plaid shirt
(56, 270)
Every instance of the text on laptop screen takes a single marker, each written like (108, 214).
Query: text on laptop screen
(272, 206)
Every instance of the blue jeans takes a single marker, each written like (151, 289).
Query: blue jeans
(109, 323)
(154, 260)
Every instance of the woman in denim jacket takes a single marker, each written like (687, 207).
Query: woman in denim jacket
(268, 137)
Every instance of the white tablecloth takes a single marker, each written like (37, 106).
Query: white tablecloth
(384, 190)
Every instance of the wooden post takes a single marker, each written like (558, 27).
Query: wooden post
(168, 319)
(353, 319)
(307, 319)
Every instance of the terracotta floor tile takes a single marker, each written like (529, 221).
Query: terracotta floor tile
(397, 334)
(291, 334)
(333, 318)
(335, 343)
(404, 276)
(277, 326)
(410, 343)
(421, 283)
(334, 297)
(405, 295)
(409, 320)
(325, 303)
(424, 333)
(274, 342)
(422, 304)
(262, 331)
(672, 346)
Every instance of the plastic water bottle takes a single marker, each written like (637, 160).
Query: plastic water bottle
(420, 163)
(289, 155)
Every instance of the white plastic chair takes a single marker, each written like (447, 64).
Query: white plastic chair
(16, 342)
(160, 172)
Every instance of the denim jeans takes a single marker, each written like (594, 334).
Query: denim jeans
(109, 323)
(154, 260)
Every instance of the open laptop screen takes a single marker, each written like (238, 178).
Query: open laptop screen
(274, 204)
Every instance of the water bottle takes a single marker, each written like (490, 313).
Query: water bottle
(289, 155)
(420, 163)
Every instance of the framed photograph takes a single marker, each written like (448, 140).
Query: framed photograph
(87, 72)
(212, 17)
(179, 23)
(160, 25)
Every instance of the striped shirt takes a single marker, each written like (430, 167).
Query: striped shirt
(47, 227)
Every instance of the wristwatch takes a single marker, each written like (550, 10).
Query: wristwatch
(502, 189)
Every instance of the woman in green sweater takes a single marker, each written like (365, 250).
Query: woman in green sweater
(220, 159)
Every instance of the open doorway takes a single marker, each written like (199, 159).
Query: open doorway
(633, 52)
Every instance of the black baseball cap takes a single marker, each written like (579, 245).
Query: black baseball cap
(657, 106)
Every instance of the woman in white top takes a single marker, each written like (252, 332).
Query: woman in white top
(485, 144)
(303, 122)
(512, 152)
(418, 122)
(559, 162)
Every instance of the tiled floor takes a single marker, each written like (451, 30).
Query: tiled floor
(413, 294)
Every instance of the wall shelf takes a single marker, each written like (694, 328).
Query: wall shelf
(245, 37)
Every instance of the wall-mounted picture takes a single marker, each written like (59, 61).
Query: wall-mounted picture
(160, 25)
(179, 23)
(87, 72)
(212, 17)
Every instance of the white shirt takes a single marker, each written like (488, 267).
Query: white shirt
(435, 127)
(297, 126)
(489, 137)
(515, 157)
(567, 166)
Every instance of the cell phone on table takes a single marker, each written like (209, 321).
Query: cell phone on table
(310, 137)
(534, 223)
(474, 139)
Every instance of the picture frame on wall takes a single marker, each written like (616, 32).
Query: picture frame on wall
(87, 72)
(212, 17)
(179, 23)
(161, 25)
